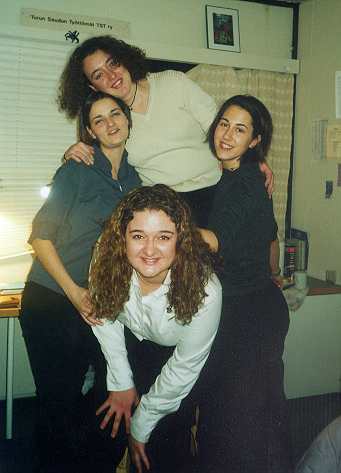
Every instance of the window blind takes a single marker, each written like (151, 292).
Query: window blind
(33, 134)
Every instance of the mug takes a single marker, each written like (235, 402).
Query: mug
(300, 279)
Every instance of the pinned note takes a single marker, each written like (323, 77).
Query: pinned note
(333, 141)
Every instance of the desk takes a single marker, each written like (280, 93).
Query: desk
(10, 314)
(318, 287)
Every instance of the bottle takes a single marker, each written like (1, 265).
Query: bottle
(289, 263)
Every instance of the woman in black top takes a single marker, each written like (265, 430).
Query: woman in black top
(242, 422)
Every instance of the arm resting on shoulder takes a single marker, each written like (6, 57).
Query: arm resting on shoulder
(80, 152)
(269, 177)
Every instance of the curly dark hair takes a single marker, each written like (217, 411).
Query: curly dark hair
(74, 85)
(261, 123)
(110, 273)
(84, 120)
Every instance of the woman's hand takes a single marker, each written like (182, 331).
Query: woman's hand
(120, 403)
(278, 280)
(269, 178)
(80, 152)
(81, 299)
(137, 451)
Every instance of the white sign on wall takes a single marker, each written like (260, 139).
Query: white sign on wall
(74, 24)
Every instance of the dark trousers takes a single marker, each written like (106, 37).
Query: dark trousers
(168, 449)
(243, 422)
(201, 202)
(60, 347)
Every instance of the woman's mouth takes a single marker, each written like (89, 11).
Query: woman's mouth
(150, 261)
(112, 132)
(117, 84)
(225, 146)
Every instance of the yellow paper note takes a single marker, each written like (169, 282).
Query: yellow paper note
(333, 141)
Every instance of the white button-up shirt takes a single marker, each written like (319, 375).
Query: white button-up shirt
(147, 317)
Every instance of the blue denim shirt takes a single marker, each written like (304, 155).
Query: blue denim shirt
(81, 200)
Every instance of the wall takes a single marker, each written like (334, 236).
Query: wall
(319, 54)
(177, 22)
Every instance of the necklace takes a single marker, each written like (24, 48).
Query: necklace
(149, 283)
(131, 105)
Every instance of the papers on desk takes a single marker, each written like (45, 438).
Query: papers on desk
(11, 288)
(6, 302)
(10, 292)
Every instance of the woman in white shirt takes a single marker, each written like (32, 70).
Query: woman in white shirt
(157, 303)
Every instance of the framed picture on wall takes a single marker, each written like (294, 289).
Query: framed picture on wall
(222, 29)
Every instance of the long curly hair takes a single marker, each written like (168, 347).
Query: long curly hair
(110, 273)
(73, 83)
(261, 123)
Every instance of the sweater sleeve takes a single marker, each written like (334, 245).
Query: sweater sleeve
(198, 103)
(230, 213)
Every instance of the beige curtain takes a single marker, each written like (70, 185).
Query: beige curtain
(275, 90)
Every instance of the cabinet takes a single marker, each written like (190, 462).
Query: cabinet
(312, 354)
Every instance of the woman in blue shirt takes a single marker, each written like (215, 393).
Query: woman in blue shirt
(60, 345)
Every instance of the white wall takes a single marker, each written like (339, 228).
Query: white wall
(319, 54)
(265, 31)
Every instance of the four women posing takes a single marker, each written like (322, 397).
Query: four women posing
(153, 273)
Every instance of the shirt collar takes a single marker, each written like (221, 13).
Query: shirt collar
(163, 289)
(103, 162)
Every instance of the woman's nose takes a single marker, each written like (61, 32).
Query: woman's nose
(149, 248)
(111, 73)
(227, 134)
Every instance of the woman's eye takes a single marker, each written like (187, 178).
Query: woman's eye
(164, 237)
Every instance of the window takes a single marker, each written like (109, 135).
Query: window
(33, 134)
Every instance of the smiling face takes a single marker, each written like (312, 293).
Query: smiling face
(107, 76)
(108, 124)
(233, 136)
(151, 244)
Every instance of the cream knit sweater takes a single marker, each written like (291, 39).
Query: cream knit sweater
(167, 142)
